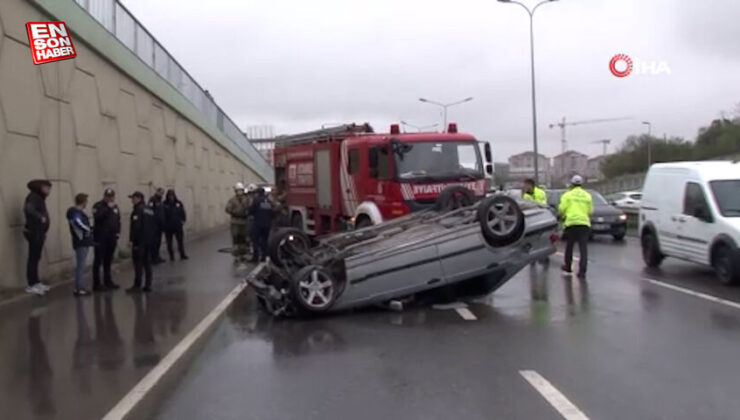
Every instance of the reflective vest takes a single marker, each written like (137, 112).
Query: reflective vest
(575, 207)
(538, 195)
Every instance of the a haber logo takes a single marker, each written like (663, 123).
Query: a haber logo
(50, 41)
(621, 65)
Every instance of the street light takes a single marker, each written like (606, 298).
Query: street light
(419, 128)
(445, 106)
(531, 53)
(649, 146)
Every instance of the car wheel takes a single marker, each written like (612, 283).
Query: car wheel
(651, 250)
(285, 245)
(501, 220)
(453, 198)
(314, 289)
(725, 267)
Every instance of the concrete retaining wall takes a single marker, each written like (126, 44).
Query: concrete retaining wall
(86, 125)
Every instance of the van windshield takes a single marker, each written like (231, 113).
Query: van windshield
(727, 196)
(439, 160)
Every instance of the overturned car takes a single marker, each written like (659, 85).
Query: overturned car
(461, 246)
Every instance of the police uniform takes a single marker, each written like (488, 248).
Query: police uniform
(575, 208)
(238, 208)
(106, 230)
(155, 203)
(143, 229)
(262, 212)
(537, 195)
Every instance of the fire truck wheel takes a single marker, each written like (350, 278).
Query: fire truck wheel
(296, 220)
(454, 197)
(501, 220)
(287, 244)
(363, 222)
(314, 289)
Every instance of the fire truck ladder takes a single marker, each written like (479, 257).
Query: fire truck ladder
(323, 134)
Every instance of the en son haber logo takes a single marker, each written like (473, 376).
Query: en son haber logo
(49, 41)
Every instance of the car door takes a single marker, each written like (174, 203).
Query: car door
(694, 224)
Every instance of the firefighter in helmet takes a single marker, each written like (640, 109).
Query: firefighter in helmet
(237, 208)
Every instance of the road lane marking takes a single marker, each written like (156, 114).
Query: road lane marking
(466, 314)
(147, 383)
(556, 399)
(695, 294)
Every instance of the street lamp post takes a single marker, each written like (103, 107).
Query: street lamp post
(445, 106)
(531, 58)
(649, 145)
(419, 128)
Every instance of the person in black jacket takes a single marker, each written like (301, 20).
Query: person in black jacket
(106, 231)
(155, 203)
(141, 239)
(174, 219)
(37, 224)
(262, 212)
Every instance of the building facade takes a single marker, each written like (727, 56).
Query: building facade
(521, 167)
(567, 164)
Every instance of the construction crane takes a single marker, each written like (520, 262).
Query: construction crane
(562, 124)
(605, 142)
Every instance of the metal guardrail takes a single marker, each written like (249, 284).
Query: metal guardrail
(114, 17)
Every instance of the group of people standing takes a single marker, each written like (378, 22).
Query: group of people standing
(574, 211)
(164, 214)
(254, 214)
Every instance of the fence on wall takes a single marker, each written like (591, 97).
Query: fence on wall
(114, 17)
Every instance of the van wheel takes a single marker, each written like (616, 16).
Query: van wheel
(726, 268)
(363, 222)
(651, 251)
(296, 221)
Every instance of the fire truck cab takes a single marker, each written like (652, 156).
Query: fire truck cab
(351, 177)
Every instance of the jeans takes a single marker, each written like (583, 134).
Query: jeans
(581, 235)
(80, 258)
(35, 247)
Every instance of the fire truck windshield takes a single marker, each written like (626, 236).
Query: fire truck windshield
(438, 160)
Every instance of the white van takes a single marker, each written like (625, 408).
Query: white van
(691, 211)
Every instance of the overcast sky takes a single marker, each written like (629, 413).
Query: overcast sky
(296, 65)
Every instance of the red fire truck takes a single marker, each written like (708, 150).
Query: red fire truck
(349, 176)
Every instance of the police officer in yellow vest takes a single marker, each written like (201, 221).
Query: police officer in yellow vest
(532, 192)
(575, 210)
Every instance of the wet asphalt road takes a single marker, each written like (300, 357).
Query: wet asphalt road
(617, 346)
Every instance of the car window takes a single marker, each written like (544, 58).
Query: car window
(694, 199)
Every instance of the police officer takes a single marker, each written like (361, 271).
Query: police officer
(237, 208)
(262, 212)
(174, 219)
(156, 204)
(143, 228)
(575, 209)
(106, 230)
(532, 192)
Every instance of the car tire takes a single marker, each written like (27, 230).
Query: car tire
(453, 198)
(314, 289)
(501, 220)
(651, 250)
(725, 266)
(285, 243)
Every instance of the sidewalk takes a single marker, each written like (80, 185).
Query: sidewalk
(69, 358)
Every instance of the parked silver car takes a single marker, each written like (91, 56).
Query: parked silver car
(461, 246)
